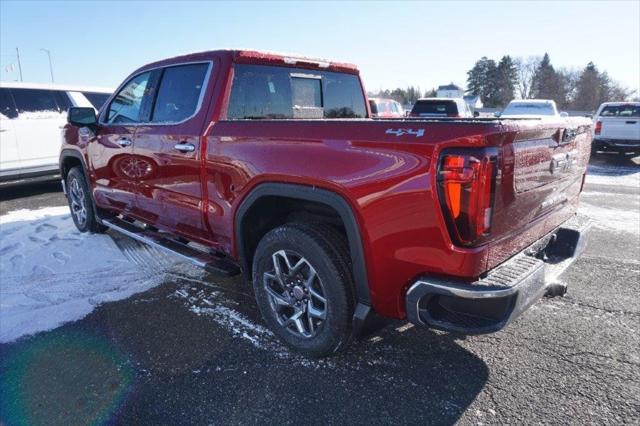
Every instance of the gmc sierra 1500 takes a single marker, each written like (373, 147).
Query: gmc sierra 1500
(269, 165)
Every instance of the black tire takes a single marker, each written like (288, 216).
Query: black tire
(324, 250)
(80, 202)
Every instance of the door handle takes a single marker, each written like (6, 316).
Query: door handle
(185, 147)
(124, 142)
(630, 122)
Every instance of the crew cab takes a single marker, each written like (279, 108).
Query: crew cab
(270, 166)
(31, 116)
(617, 127)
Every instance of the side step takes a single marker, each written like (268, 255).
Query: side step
(210, 262)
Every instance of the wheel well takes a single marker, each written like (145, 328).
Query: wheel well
(69, 162)
(272, 211)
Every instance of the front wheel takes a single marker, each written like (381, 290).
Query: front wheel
(80, 203)
(304, 287)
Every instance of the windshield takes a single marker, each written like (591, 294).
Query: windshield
(629, 110)
(529, 108)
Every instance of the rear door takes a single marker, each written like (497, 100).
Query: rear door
(41, 116)
(9, 158)
(620, 122)
(110, 151)
(170, 196)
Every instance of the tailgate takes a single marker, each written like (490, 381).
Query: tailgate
(542, 169)
(624, 128)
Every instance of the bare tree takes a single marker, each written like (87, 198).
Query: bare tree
(526, 70)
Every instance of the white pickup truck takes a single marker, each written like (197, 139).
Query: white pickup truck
(617, 127)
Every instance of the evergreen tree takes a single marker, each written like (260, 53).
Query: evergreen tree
(547, 83)
(482, 79)
(506, 78)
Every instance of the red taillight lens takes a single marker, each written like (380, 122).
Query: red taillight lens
(466, 184)
(598, 129)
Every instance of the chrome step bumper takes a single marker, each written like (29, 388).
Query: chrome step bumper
(490, 303)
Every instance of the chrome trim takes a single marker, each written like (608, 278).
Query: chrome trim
(204, 89)
(185, 147)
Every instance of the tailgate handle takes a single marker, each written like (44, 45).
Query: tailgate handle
(568, 135)
(631, 122)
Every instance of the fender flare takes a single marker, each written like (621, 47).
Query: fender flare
(323, 196)
(66, 153)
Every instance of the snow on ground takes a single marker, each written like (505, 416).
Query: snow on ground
(51, 273)
(614, 219)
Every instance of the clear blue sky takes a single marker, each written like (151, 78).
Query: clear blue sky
(394, 44)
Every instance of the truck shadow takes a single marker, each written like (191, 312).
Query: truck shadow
(149, 348)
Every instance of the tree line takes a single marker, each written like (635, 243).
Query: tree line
(497, 83)
(537, 78)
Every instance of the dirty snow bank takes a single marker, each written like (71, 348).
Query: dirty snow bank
(50, 273)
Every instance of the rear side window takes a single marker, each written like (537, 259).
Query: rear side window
(435, 108)
(272, 92)
(621, 111)
(179, 93)
(7, 107)
(126, 107)
(39, 100)
(96, 99)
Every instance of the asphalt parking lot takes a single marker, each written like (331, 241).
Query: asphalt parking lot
(191, 348)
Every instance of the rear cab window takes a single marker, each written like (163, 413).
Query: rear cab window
(278, 92)
(629, 110)
(435, 108)
(7, 107)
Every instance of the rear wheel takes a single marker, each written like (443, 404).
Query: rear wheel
(304, 288)
(80, 202)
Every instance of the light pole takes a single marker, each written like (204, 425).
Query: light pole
(50, 66)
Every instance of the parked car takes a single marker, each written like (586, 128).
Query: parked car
(386, 108)
(31, 118)
(532, 108)
(335, 219)
(617, 127)
(441, 107)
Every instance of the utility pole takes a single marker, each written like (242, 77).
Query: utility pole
(19, 66)
(50, 66)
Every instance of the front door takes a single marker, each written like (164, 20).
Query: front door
(110, 151)
(170, 195)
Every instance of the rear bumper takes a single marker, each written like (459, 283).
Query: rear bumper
(490, 303)
(618, 145)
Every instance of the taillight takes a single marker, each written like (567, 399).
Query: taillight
(598, 129)
(466, 186)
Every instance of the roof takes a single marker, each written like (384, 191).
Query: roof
(532, 101)
(450, 86)
(259, 57)
(440, 99)
(471, 97)
(52, 86)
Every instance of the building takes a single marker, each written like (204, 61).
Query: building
(450, 91)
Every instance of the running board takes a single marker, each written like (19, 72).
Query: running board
(210, 262)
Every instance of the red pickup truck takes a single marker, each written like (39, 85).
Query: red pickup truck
(269, 166)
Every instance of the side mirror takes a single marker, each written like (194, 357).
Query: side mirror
(82, 116)
(564, 114)
(497, 114)
(476, 113)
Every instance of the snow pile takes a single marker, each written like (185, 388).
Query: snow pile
(51, 273)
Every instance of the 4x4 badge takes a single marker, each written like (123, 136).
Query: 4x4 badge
(399, 132)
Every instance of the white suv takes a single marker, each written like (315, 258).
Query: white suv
(617, 127)
(31, 118)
